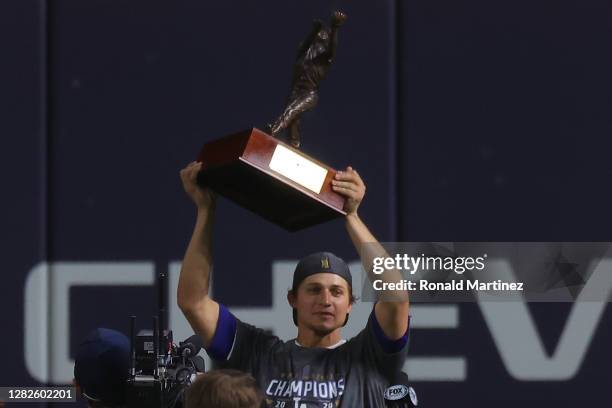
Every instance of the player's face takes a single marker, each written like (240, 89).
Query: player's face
(322, 302)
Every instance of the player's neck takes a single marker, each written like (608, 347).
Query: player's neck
(309, 338)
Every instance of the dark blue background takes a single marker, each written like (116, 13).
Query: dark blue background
(469, 120)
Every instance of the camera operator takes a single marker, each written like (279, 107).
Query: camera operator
(224, 389)
(101, 368)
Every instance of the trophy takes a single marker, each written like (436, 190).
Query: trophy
(272, 177)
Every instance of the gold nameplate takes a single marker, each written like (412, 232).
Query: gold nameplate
(298, 169)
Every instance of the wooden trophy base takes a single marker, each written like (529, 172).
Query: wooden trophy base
(271, 178)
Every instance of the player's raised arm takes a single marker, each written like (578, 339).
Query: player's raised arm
(200, 310)
(393, 309)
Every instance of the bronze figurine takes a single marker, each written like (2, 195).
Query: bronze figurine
(314, 59)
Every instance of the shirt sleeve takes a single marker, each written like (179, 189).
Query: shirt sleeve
(239, 345)
(388, 345)
(221, 345)
(378, 352)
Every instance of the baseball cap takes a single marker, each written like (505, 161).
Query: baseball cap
(101, 365)
(321, 262)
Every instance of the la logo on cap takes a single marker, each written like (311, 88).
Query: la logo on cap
(325, 262)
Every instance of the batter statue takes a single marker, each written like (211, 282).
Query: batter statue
(314, 58)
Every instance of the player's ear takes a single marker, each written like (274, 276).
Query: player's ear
(291, 298)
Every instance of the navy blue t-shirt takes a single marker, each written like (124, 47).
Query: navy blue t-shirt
(354, 374)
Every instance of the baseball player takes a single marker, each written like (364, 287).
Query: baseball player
(319, 368)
